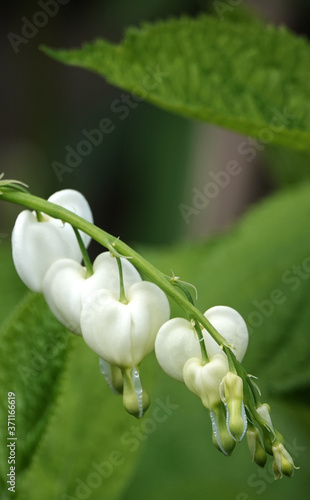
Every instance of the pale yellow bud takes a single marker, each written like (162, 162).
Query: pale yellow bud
(232, 396)
(283, 462)
(256, 447)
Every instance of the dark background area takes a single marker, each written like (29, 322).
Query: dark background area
(139, 174)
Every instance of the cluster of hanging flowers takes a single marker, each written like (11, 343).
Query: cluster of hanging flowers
(122, 318)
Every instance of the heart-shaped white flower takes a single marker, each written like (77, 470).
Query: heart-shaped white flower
(230, 324)
(123, 334)
(66, 285)
(37, 245)
(204, 379)
(175, 343)
(177, 340)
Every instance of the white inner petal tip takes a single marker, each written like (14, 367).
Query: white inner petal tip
(106, 371)
(137, 386)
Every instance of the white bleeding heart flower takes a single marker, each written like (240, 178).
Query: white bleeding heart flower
(37, 245)
(177, 340)
(230, 324)
(66, 285)
(124, 333)
(204, 379)
(175, 343)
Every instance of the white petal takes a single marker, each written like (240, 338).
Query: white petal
(123, 334)
(66, 286)
(75, 202)
(106, 271)
(175, 343)
(230, 324)
(150, 309)
(204, 379)
(264, 411)
(106, 327)
(63, 288)
(35, 247)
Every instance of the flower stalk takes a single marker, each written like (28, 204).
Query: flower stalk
(113, 244)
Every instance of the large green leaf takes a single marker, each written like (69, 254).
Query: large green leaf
(33, 352)
(86, 452)
(248, 77)
(262, 268)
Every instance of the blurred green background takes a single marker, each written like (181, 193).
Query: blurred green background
(135, 180)
(137, 177)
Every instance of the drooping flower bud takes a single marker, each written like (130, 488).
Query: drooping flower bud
(221, 437)
(175, 343)
(256, 446)
(231, 390)
(123, 334)
(264, 411)
(66, 285)
(37, 245)
(230, 324)
(283, 462)
(204, 380)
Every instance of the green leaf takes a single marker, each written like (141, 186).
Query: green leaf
(262, 268)
(91, 447)
(247, 77)
(33, 353)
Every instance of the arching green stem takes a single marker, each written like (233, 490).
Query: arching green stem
(122, 296)
(87, 262)
(111, 243)
(39, 216)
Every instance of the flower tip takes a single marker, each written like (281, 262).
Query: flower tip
(221, 437)
(133, 406)
(283, 463)
(256, 446)
(237, 427)
(135, 399)
(225, 446)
